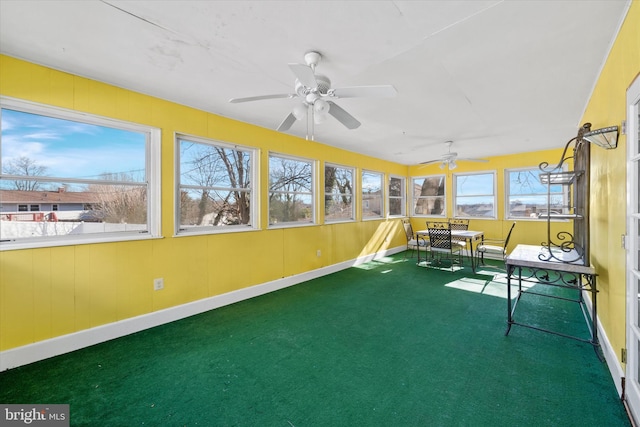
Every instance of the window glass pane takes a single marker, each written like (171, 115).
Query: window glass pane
(429, 195)
(215, 186)
(372, 206)
(527, 196)
(395, 187)
(42, 146)
(290, 191)
(75, 174)
(338, 197)
(396, 196)
(475, 195)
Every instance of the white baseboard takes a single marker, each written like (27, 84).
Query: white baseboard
(609, 353)
(41, 350)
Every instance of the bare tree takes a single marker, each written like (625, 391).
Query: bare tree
(222, 174)
(120, 203)
(239, 177)
(338, 190)
(286, 183)
(24, 166)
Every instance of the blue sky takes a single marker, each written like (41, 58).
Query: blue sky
(71, 149)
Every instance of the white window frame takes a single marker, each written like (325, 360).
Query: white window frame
(456, 177)
(402, 197)
(414, 199)
(365, 203)
(152, 173)
(353, 193)
(179, 230)
(313, 193)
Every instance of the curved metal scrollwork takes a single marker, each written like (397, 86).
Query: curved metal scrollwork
(554, 277)
(567, 247)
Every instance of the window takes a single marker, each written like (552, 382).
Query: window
(372, 195)
(396, 196)
(215, 186)
(474, 195)
(338, 193)
(102, 175)
(291, 197)
(429, 196)
(527, 196)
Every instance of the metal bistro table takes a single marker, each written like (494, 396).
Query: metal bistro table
(468, 235)
(527, 263)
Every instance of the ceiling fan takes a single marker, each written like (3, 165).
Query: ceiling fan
(450, 158)
(316, 95)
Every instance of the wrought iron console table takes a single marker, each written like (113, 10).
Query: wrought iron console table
(531, 263)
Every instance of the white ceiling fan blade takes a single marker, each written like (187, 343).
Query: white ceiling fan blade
(342, 116)
(451, 157)
(287, 123)
(261, 97)
(428, 162)
(305, 75)
(386, 91)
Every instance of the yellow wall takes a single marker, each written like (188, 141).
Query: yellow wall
(607, 107)
(50, 292)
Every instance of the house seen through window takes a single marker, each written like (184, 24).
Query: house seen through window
(372, 195)
(475, 195)
(527, 196)
(429, 195)
(69, 177)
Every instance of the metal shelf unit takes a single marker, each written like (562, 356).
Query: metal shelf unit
(574, 247)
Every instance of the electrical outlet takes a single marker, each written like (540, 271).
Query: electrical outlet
(318, 252)
(158, 284)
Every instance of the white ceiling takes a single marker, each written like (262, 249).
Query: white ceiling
(496, 77)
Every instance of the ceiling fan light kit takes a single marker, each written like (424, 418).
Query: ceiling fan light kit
(450, 159)
(314, 90)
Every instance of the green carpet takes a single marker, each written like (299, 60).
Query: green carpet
(384, 344)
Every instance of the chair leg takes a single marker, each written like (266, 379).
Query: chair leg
(409, 249)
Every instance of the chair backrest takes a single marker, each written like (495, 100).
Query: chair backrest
(506, 241)
(439, 235)
(408, 229)
(459, 224)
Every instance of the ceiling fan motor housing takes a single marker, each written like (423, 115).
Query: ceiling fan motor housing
(323, 82)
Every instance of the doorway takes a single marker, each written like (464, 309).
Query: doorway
(632, 374)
